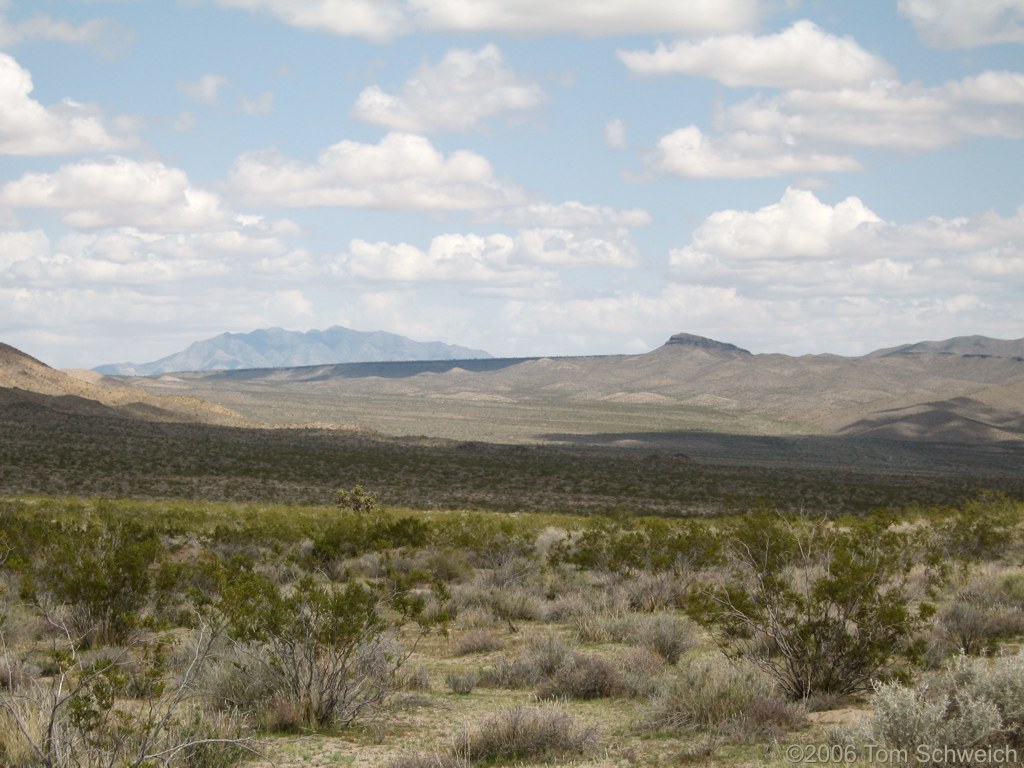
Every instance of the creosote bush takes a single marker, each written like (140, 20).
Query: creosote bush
(819, 607)
(323, 650)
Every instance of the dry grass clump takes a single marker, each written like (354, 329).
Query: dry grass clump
(668, 634)
(462, 681)
(542, 657)
(714, 695)
(478, 641)
(583, 676)
(514, 734)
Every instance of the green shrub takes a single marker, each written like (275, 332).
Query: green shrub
(103, 570)
(822, 609)
(323, 649)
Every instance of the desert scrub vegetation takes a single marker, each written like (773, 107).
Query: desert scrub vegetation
(179, 633)
(44, 451)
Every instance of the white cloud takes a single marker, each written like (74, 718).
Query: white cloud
(802, 56)
(382, 20)
(260, 105)
(451, 258)
(206, 89)
(566, 248)
(496, 260)
(457, 94)
(615, 134)
(804, 249)
(119, 192)
(107, 36)
(403, 171)
(890, 114)
(798, 226)
(956, 24)
(572, 215)
(812, 131)
(377, 20)
(690, 153)
(591, 18)
(29, 128)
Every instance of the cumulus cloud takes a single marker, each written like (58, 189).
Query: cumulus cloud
(955, 24)
(739, 155)
(402, 171)
(382, 20)
(802, 247)
(798, 226)
(119, 192)
(450, 258)
(29, 128)
(496, 260)
(460, 92)
(802, 56)
(812, 131)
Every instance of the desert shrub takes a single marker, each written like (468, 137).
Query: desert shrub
(102, 570)
(415, 678)
(546, 652)
(715, 695)
(582, 676)
(984, 528)
(79, 715)
(356, 499)
(512, 672)
(641, 670)
(527, 734)
(447, 565)
(820, 608)
(540, 659)
(516, 734)
(488, 540)
(462, 681)
(324, 649)
(506, 605)
(660, 591)
(478, 641)
(977, 704)
(667, 634)
(634, 546)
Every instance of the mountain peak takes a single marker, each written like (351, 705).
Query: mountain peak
(280, 348)
(701, 342)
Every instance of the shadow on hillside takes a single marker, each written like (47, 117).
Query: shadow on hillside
(856, 454)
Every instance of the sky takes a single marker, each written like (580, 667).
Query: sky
(529, 178)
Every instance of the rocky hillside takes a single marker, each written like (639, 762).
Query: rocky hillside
(27, 383)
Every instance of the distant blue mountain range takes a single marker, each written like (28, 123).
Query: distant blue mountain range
(278, 348)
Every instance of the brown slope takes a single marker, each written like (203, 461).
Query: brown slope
(28, 382)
